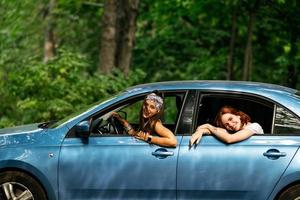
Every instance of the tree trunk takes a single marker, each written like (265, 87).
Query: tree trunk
(118, 34)
(49, 44)
(247, 70)
(230, 74)
(107, 57)
(248, 50)
(127, 27)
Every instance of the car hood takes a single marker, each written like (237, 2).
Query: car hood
(29, 128)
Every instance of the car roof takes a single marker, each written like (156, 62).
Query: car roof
(214, 85)
(284, 96)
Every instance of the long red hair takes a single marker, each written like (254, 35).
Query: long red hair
(227, 109)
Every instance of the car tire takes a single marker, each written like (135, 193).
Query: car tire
(14, 184)
(292, 193)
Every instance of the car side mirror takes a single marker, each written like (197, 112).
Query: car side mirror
(82, 129)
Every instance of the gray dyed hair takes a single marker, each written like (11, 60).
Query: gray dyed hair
(157, 99)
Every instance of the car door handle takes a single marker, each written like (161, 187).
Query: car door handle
(167, 153)
(162, 153)
(274, 154)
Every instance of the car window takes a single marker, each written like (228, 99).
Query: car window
(130, 110)
(259, 110)
(170, 110)
(286, 122)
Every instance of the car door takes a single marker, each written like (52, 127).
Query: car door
(116, 167)
(245, 170)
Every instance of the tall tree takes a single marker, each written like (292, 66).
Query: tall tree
(118, 35)
(127, 27)
(108, 37)
(248, 50)
(230, 74)
(49, 43)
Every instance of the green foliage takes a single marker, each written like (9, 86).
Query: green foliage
(78, 26)
(181, 40)
(190, 39)
(20, 23)
(41, 92)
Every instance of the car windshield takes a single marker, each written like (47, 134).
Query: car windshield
(84, 109)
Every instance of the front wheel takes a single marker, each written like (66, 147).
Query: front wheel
(292, 193)
(16, 185)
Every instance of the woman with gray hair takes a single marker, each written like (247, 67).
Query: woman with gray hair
(151, 129)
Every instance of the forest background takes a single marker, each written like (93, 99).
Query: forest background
(57, 56)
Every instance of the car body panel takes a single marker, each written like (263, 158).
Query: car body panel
(117, 168)
(235, 171)
(29, 128)
(290, 177)
(34, 152)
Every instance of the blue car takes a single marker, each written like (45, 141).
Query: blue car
(89, 156)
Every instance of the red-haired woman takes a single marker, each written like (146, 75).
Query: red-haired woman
(232, 126)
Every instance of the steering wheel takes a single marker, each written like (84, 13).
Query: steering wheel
(116, 124)
(96, 127)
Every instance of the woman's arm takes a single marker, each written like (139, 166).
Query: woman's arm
(226, 137)
(129, 129)
(166, 137)
(196, 137)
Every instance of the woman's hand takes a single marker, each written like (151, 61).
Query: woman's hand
(117, 116)
(195, 138)
(128, 128)
(200, 131)
(141, 135)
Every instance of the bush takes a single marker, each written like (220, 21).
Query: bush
(42, 92)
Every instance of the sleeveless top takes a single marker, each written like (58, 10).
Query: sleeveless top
(255, 128)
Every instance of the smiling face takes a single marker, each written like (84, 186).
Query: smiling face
(231, 122)
(149, 109)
